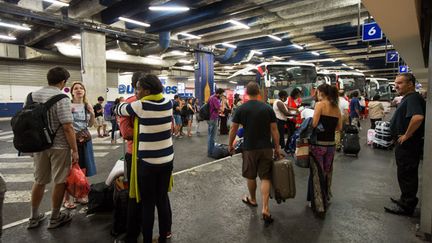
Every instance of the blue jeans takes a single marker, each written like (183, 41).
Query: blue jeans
(212, 130)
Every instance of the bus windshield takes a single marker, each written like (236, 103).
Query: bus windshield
(352, 82)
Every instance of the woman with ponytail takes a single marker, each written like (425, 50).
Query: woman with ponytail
(326, 120)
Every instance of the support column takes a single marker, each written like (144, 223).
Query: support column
(93, 65)
(204, 76)
(426, 197)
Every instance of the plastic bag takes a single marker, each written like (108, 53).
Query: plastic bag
(76, 183)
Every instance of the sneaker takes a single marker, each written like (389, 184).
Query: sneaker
(35, 222)
(62, 219)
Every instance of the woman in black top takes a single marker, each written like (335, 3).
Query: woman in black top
(326, 120)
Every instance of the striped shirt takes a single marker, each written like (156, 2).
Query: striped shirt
(155, 144)
(59, 114)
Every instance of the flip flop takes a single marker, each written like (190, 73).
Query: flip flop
(267, 219)
(69, 205)
(247, 201)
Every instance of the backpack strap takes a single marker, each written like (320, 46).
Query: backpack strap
(29, 100)
(54, 100)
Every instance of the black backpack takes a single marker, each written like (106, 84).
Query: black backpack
(31, 127)
(204, 113)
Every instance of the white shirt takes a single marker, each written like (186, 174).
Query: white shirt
(279, 114)
(343, 105)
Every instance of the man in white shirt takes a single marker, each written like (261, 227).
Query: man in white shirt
(343, 106)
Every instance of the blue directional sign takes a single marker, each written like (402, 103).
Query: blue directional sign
(392, 56)
(371, 32)
(403, 69)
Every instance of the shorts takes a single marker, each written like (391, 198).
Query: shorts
(178, 120)
(55, 163)
(100, 121)
(257, 162)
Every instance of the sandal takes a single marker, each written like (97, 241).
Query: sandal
(248, 202)
(69, 205)
(267, 219)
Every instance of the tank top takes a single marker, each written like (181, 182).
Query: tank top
(327, 137)
(279, 114)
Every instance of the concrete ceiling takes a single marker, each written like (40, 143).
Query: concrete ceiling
(329, 27)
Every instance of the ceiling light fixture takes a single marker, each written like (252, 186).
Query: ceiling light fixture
(228, 67)
(350, 67)
(332, 60)
(343, 64)
(154, 57)
(239, 24)
(297, 46)
(169, 8)
(184, 61)
(190, 35)
(134, 21)
(6, 37)
(178, 53)
(14, 26)
(277, 58)
(292, 60)
(275, 37)
(57, 2)
(229, 45)
(76, 37)
(315, 53)
(233, 82)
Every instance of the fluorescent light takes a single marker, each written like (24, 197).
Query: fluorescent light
(292, 60)
(76, 37)
(154, 57)
(57, 2)
(228, 67)
(257, 52)
(343, 64)
(229, 45)
(371, 76)
(235, 22)
(14, 26)
(297, 46)
(277, 58)
(6, 37)
(169, 8)
(332, 60)
(233, 82)
(275, 37)
(315, 53)
(184, 61)
(188, 67)
(134, 21)
(190, 35)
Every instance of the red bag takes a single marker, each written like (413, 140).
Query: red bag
(76, 183)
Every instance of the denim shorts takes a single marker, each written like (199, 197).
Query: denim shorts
(178, 120)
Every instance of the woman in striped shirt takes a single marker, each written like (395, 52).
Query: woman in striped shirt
(152, 155)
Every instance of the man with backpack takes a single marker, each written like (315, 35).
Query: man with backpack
(54, 162)
(214, 105)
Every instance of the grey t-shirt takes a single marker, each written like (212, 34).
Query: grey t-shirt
(80, 117)
(60, 113)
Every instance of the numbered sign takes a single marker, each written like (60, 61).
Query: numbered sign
(392, 56)
(403, 69)
(371, 32)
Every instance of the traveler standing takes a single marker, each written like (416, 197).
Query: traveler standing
(407, 126)
(376, 110)
(189, 116)
(2, 197)
(236, 104)
(224, 114)
(343, 107)
(294, 119)
(100, 121)
(282, 114)
(114, 122)
(151, 171)
(259, 124)
(355, 110)
(322, 150)
(54, 162)
(214, 108)
(196, 107)
(177, 116)
(83, 117)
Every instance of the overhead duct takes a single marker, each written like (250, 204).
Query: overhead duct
(164, 44)
(241, 54)
(228, 54)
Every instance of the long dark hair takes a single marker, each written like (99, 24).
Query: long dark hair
(330, 92)
(236, 98)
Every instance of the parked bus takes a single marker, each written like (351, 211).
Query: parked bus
(346, 80)
(276, 76)
(380, 86)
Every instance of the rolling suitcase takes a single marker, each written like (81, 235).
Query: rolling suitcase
(283, 181)
(351, 144)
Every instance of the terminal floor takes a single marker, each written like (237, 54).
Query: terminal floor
(207, 207)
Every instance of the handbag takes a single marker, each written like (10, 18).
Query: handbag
(314, 136)
(83, 136)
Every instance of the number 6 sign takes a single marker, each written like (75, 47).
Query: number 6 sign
(371, 32)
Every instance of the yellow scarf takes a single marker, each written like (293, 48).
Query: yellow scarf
(133, 183)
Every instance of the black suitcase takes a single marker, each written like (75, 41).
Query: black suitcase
(220, 151)
(351, 144)
(100, 198)
(120, 202)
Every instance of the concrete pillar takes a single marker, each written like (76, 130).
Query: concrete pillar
(426, 197)
(93, 65)
(204, 76)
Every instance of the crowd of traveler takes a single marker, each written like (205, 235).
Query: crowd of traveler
(148, 121)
